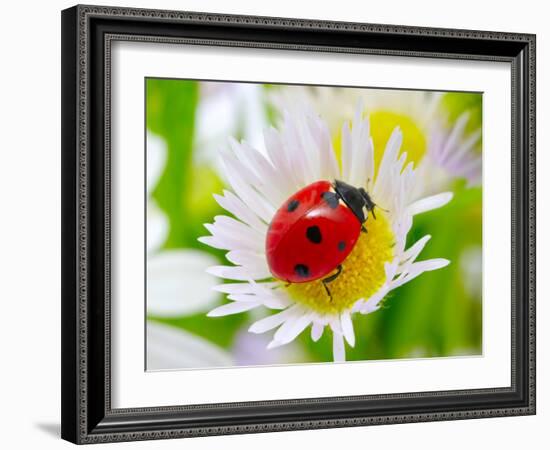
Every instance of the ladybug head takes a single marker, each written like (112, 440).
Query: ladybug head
(355, 198)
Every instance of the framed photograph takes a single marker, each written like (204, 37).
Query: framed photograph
(281, 224)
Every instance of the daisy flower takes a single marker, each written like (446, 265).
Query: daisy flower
(301, 153)
(441, 149)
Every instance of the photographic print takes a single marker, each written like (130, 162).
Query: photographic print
(293, 224)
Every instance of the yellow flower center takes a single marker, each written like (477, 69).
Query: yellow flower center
(362, 271)
(382, 124)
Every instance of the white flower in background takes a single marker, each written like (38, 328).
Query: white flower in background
(157, 223)
(173, 348)
(471, 265)
(440, 151)
(299, 154)
(227, 109)
(452, 154)
(177, 284)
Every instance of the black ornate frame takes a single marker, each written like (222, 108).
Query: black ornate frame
(87, 34)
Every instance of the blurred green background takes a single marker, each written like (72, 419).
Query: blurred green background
(437, 314)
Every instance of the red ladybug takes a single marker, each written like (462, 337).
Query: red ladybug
(314, 231)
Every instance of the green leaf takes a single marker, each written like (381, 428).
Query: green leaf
(170, 113)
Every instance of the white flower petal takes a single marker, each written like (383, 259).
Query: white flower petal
(370, 166)
(278, 156)
(230, 234)
(235, 173)
(429, 203)
(228, 225)
(361, 149)
(258, 292)
(269, 301)
(232, 308)
(274, 344)
(258, 170)
(243, 288)
(271, 297)
(249, 259)
(390, 269)
(386, 177)
(347, 328)
(177, 282)
(238, 273)
(373, 303)
(299, 153)
(273, 321)
(430, 264)
(233, 204)
(401, 228)
(246, 298)
(214, 242)
(316, 331)
(289, 330)
(304, 134)
(327, 157)
(347, 158)
(419, 268)
(415, 250)
(338, 348)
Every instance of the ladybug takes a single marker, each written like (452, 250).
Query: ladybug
(314, 231)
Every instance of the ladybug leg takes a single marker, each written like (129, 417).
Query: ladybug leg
(364, 229)
(330, 279)
(327, 290)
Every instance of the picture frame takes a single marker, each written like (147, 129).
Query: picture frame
(88, 33)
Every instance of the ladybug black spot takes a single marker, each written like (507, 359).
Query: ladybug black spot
(341, 246)
(292, 205)
(313, 233)
(331, 198)
(301, 270)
